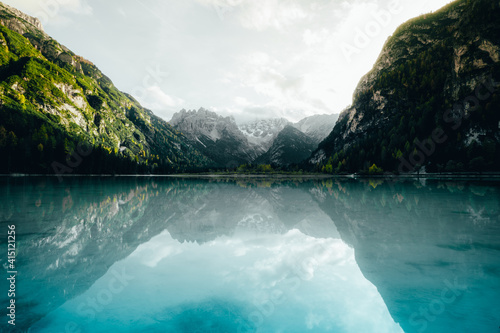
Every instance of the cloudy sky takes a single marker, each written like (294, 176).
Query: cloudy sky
(249, 58)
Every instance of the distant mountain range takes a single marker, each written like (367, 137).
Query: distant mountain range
(430, 104)
(261, 133)
(60, 114)
(290, 146)
(215, 136)
(268, 141)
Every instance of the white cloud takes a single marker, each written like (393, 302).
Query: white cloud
(317, 37)
(282, 90)
(264, 14)
(249, 58)
(261, 14)
(154, 98)
(241, 101)
(314, 283)
(80, 7)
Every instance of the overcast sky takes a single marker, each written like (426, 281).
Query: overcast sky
(249, 58)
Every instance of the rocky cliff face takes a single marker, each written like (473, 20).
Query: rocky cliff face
(216, 136)
(434, 80)
(19, 22)
(262, 133)
(204, 123)
(267, 141)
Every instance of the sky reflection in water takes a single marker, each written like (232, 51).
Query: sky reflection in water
(147, 255)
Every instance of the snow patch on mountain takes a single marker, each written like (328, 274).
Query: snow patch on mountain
(318, 127)
(221, 139)
(261, 133)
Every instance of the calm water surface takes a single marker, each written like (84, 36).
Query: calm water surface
(192, 255)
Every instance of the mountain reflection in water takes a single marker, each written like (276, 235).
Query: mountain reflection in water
(192, 255)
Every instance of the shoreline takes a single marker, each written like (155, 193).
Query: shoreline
(464, 176)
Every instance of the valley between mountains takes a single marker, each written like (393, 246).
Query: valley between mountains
(431, 103)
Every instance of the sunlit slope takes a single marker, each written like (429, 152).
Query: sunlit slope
(53, 100)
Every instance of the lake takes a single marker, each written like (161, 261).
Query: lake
(140, 254)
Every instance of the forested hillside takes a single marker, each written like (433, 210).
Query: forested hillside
(431, 102)
(60, 114)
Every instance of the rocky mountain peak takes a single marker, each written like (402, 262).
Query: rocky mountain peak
(261, 133)
(264, 127)
(11, 16)
(289, 147)
(317, 127)
(200, 115)
(216, 136)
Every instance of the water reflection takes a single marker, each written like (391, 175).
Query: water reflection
(432, 249)
(186, 255)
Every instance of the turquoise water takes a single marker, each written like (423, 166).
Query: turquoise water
(192, 255)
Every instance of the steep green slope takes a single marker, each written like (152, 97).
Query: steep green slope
(431, 101)
(54, 103)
